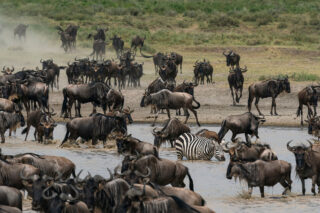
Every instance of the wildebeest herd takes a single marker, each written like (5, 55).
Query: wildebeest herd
(141, 183)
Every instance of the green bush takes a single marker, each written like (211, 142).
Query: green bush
(223, 21)
(303, 76)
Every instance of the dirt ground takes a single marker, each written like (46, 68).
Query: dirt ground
(215, 99)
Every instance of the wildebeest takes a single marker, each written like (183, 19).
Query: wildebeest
(7, 70)
(96, 93)
(201, 70)
(96, 127)
(171, 130)
(137, 41)
(262, 173)
(314, 126)
(166, 99)
(266, 89)
(100, 35)
(11, 197)
(307, 163)
(168, 71)
(130, 145)
(246, 123)
(117, 44)
(115, 100)
(208, 134)
(68, 36)
(240, 151)
(53, 69)
(309, 97)
(232, 59)
(8, 106)
(10, 121)
(99, 49)
(162, 171)
(235, 79)
(159, 60)
(187, 87)
(20, 30)
(178, 59)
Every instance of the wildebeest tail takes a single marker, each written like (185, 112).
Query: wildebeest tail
(198, 104)
(221, 131)
(24, 131)
(299, 110)
(65, 101)
(190, 181)
(145, 56)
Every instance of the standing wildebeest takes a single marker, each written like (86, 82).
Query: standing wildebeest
(96, 127)
(235, 79)
(232, 59)
(161, 171)
(172, 129)
(42, 122)
(20, 30)
(68, 36)
(10, 121)
(246, 123)
(11, 197)
(130, 145)
(117, 44)
(99, 49)
(177, 58)
(262, 173)
(159, 60)
(309, 97)
(307, 164)
(96, 93)
(52, 69)
(166, 99)
(314, 126)
(187, 87)
(115, 100)
(100, 35)
(7, 71)
(266, 89)
(168, 71)
(201, 70)
(137, 41)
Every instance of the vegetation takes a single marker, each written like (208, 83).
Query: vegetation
(303, 76)
(181, 22)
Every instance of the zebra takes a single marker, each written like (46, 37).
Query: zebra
(194, 147)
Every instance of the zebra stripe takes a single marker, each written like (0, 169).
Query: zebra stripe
(194, 147)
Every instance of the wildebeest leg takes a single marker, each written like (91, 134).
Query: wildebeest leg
(94, 109)
(248, 140)
(155, 117)
(310, 113)
(256, 104)
(79, 109)
(303, 186)
(233, 136)
(195, 115)
(27, 132)
(231, 89)
(70, 106)
(261, 191)
(314, 180)
(35, 134)
(2, 137)
(274, 106)
(250, 190)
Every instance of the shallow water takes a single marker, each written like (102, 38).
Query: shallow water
(221, 194)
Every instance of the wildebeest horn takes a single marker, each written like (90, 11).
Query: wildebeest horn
(111, 175)
(224, 53)
(289, 147)
(245, 69)
(310, 144)
(116, 170)
(77, 178)
(142, 175)
(54, 194)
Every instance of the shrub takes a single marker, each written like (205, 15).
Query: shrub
(223, 21)
(303, 76)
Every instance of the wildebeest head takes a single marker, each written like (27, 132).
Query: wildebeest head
(124, 143)
(146, 100)
(38, 186)
(46, 63)
(254, 125)
(21, 118)
(229, 57)
(159, 137)
(301, 154)
(285, 84)
(7, 71)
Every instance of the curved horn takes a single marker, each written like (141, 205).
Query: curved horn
(22, 176)
(41, 60)
(289, 147)
(54, 194)
(111, 175)
(310, 144)
(224, 53)
(244, 69)
(77, 179)
(142, 175)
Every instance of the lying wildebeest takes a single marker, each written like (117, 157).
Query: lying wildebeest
(115, 100)
(52, 166)
(208, 134)
(9, 209)
(42, 122)
(20, 30)
(232, 59)
(235, 79)
(130, 145)
(166, 99)
(10, 121)
(159, 60)
(137, 41)
(117, 44)
(246, 123)
(309, 97)
(11, 197)
(96, 127)
(99, 49)
(266, 89)
(262, 173)
(239, 151)
(171, 130)
(307, 164)
(178, 59)
(96, 93)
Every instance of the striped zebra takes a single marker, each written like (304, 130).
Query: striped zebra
(194, 147)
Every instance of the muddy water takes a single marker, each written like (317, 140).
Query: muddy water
(221, 194)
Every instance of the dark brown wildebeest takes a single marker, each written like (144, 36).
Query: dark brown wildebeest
(137, 41)
(208, 134)
(178, 59)
(133, 146)
(66, 40)
(239, 151)
(159, 60)
(68, 36)
(126, 113)
(309, 97)
(96, 127)
(100, 35)
(232, 59)
(168, 71)
(161, 171)
(172, 129)
(266, 89)
(53, 68)
(42, 122)
(10, 121)
(246, 123)
(307, 164)
(262, 173)
(314, 126)
(165, 99)
(20, 30)
(96, 93)
(117, 44)
(72, 30)
(235, 79)
(99, 49)
(115, 100)
(201, 70)
(11, 197)
(12, 174)
(7, 209)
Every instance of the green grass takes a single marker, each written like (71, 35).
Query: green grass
(303, 76)
(181, 22)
